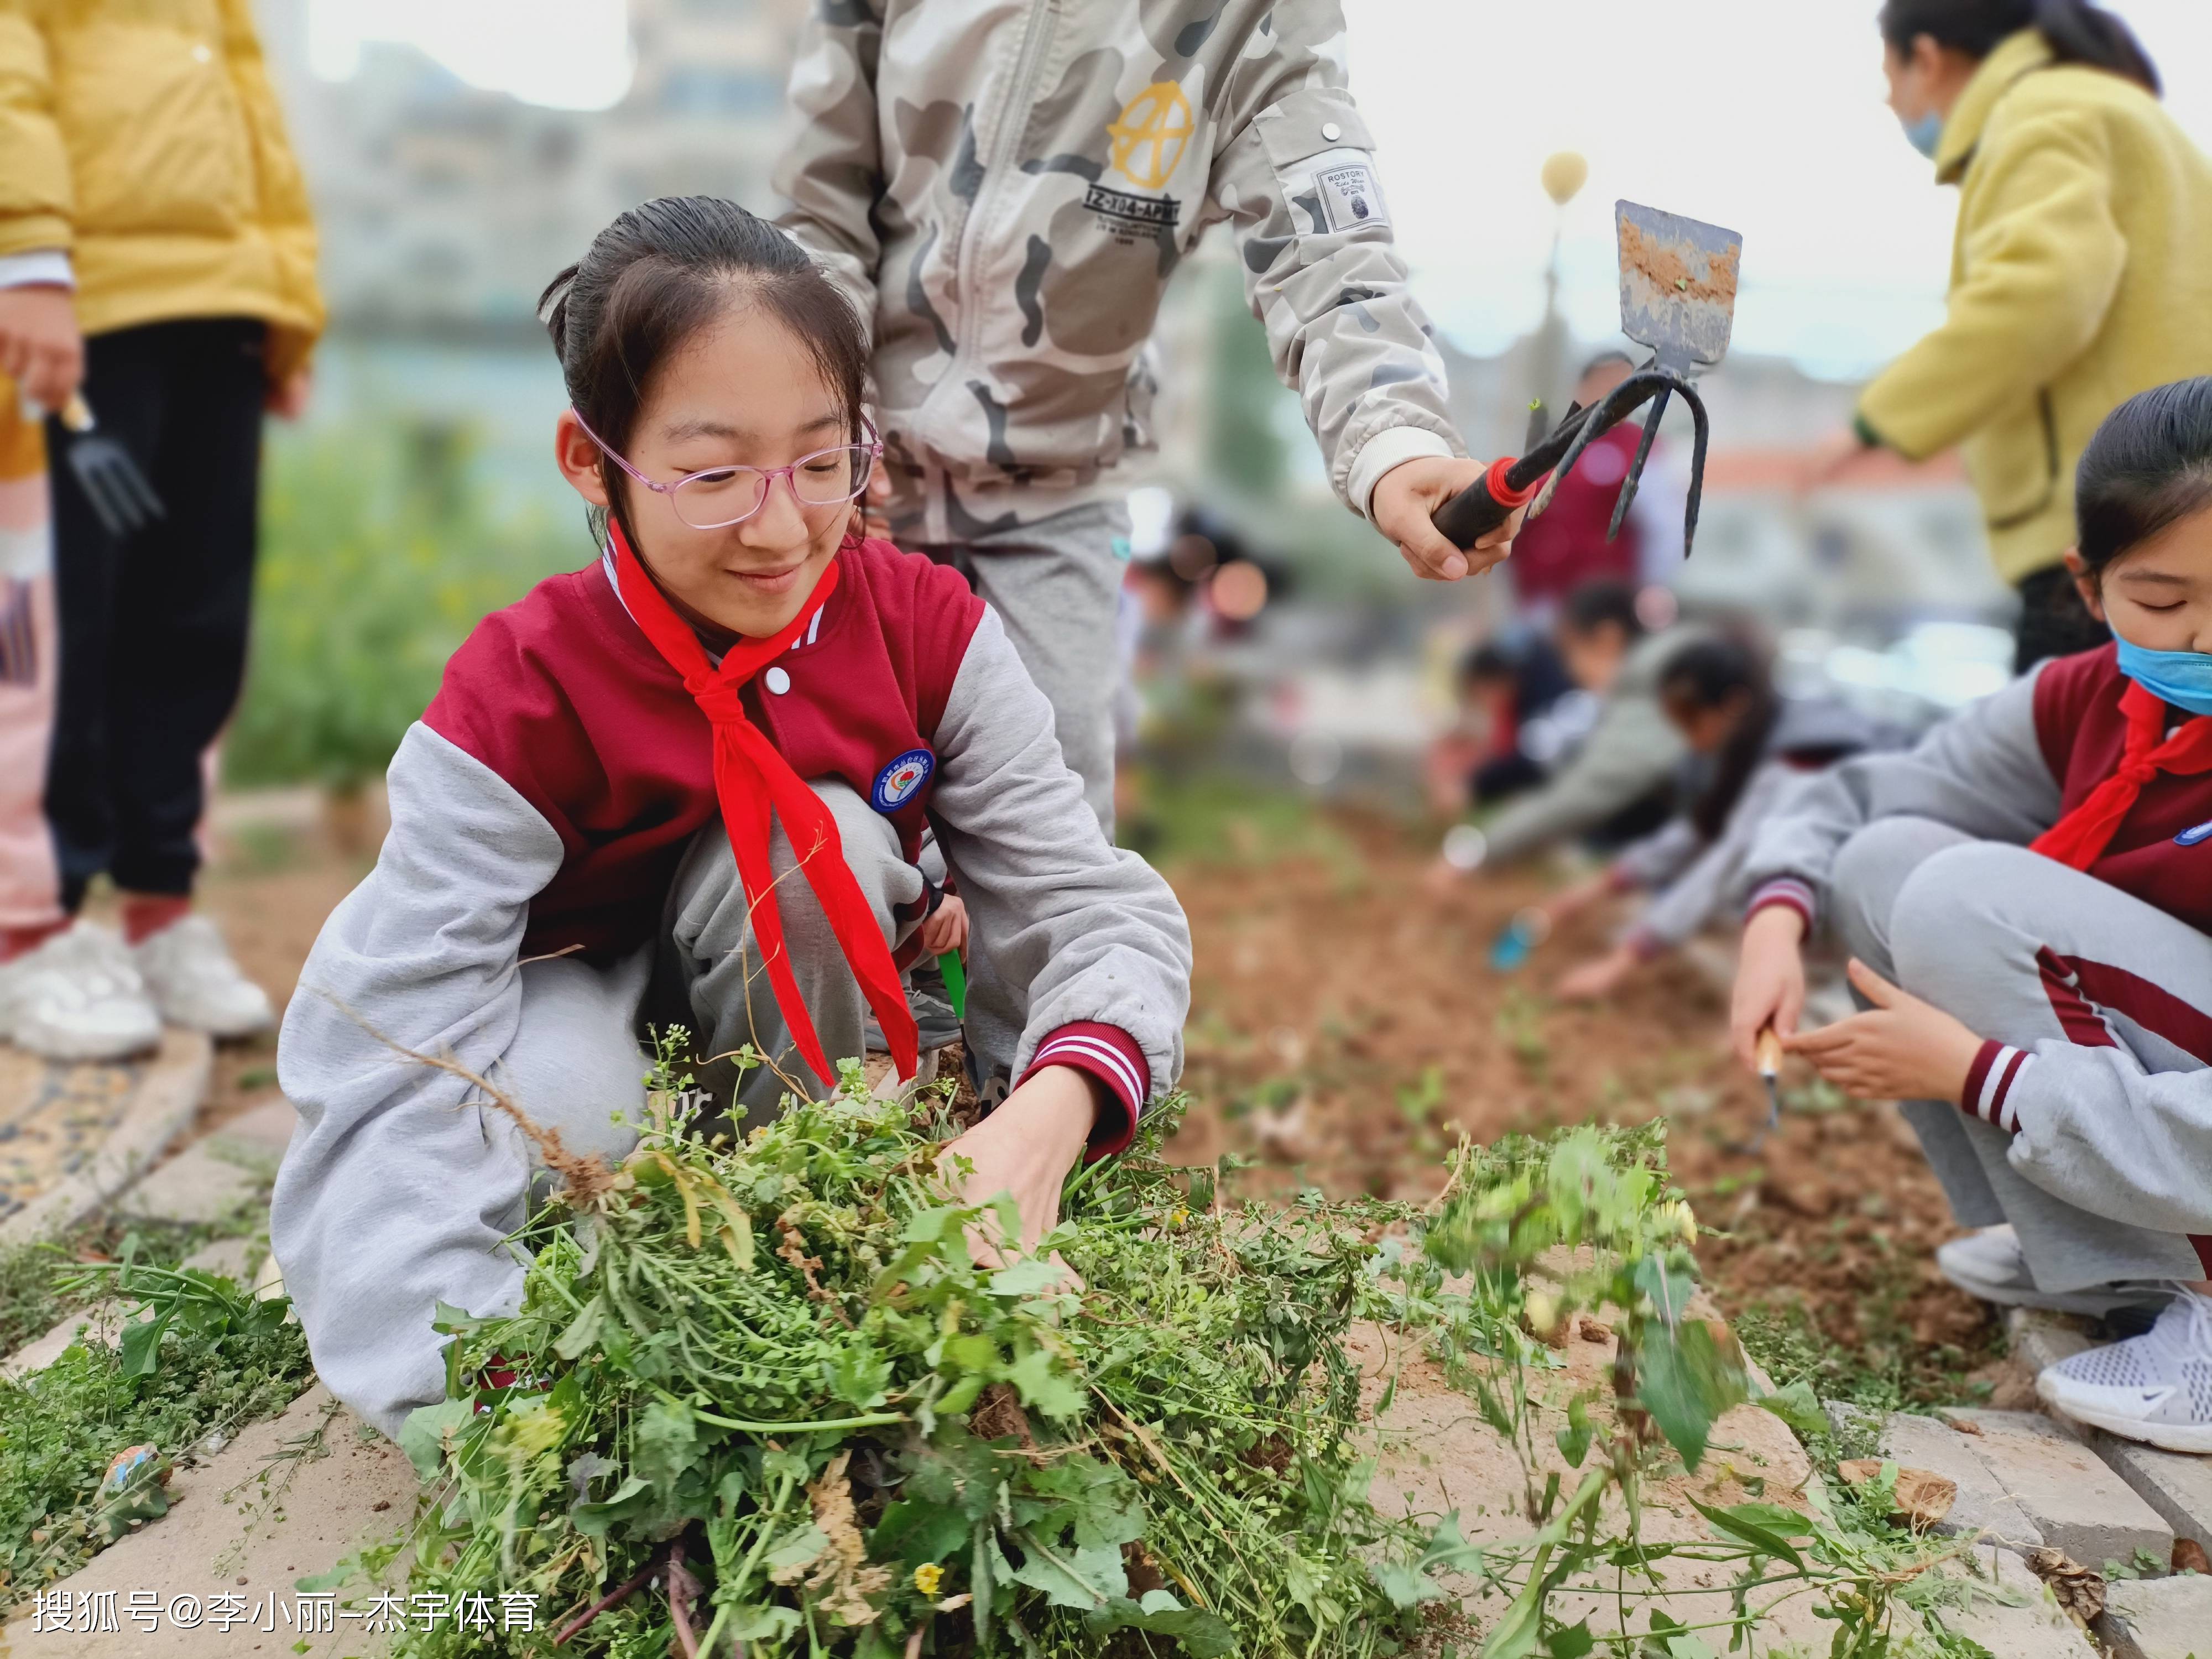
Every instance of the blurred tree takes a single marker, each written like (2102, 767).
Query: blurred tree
(1244, 444)
(378, 556)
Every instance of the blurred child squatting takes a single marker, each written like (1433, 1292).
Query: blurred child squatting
(1751, 752)
(1617, 784)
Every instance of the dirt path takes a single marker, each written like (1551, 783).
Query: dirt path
(1345, 1021)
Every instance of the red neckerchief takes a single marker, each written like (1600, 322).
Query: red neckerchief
(2081, 837)
(751, 777)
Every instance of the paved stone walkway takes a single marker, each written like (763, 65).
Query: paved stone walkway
(2028, 1482)
(73, 1137)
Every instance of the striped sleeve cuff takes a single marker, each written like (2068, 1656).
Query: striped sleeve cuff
(1997, 1070)
(1110, 1057)
(1788, 891)
(1393, 446)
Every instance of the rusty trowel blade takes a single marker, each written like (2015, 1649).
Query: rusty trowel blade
(1678, 283)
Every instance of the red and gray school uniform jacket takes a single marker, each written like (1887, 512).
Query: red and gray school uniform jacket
(543, 804)
(2007, 770)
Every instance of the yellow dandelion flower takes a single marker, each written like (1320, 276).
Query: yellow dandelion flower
(928, 1578)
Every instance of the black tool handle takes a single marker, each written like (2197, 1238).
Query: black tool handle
(1488, 502)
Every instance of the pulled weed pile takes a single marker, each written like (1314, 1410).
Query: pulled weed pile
(760, 1398)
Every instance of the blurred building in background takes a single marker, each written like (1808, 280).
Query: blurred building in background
(444, 208)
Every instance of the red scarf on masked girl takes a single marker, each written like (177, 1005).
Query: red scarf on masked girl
(752, 780)
(2079, 839)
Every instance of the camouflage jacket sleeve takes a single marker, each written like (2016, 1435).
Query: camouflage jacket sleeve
(831, 173)
(1296, 179)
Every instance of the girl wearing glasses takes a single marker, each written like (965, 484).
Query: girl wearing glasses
(689, 784)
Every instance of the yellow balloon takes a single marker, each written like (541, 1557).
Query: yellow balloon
(1565, 175)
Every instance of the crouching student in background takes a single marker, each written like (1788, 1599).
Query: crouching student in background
(2027, 894)
(1617, 784)
(1750, 752)
(695, 776)
(1507, 738)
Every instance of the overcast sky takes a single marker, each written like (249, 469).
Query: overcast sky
(1766, 116)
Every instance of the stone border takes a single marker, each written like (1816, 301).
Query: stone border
(169, 1092)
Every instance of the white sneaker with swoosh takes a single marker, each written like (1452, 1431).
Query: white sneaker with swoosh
(2155, 1389)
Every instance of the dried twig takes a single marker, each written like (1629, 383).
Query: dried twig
(614, 1597)
(683, 1590)
(585, 1178)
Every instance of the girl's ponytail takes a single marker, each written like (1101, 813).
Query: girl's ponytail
(1709, 674)
(2078, 32)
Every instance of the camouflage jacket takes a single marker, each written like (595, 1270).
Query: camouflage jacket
(1004, 186)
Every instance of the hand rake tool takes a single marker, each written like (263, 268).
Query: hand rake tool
(120, 496)
(1678, 288)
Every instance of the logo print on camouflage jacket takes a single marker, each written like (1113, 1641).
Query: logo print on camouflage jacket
(1149, 138)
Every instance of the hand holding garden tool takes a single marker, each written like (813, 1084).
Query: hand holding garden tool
(1678, 288)
(120, 496)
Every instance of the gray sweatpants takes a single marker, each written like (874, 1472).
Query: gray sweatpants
(577, 1048)
(1996, 936)
(1055, 584)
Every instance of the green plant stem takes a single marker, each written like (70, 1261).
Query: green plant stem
(874, 1420)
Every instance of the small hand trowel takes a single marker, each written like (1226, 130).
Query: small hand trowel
(1769, 1072)
(1678, 288)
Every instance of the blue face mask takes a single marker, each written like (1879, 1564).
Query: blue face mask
(2183, 678)
(1925, 134)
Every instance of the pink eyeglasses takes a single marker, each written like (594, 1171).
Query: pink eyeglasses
(723, 495)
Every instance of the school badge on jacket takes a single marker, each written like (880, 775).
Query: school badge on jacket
(897, 783)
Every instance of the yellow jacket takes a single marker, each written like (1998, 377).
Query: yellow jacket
(2082, 274)
(142, 136)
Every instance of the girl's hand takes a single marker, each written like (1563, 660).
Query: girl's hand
(946, 928)
(1594, 982)
(1904, 1049)
(41, 348)
(288, 398)
(1026, 1148)
(1769, 981)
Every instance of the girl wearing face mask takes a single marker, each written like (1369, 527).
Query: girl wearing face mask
(2028, 895)
(2083, 273)
(689, 784)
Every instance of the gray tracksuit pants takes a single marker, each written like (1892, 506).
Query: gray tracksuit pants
(1996, 935)
(577, 1046)
(1055, 584)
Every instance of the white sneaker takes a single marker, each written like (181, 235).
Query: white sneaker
(196, 985)
(1990, 1266)
(77, 996)
(2155, 1389)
